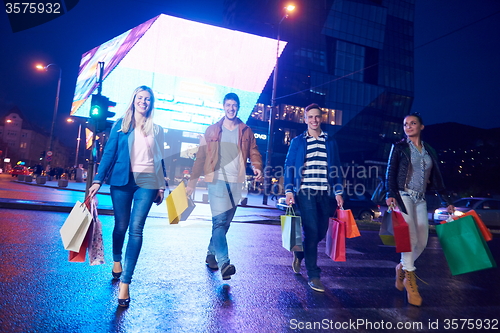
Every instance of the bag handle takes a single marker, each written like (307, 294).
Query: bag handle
(290, 211)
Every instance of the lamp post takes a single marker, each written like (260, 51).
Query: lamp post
(78, 139)
(272, 113)
(56, 104)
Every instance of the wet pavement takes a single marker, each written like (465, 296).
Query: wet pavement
(173, 291)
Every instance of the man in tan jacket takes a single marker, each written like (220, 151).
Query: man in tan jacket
(222, 158)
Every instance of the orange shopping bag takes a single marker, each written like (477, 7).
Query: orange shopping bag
(351, 228)
(480, 224)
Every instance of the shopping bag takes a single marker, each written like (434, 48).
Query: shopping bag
(351, 228)
(96, 244)
(464, 247)
(401, 232)
(191, 206)
(75, 227)
(82, 252)
(291, 230)
(335, 240)
(386, 232)
(480, 224)
(177, 203)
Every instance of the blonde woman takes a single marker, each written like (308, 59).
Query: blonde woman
(132, 165)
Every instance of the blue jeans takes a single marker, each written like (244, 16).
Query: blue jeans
(132, 218)
(224, 198)
(315, 210)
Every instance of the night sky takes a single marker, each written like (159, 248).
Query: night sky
(457, 77)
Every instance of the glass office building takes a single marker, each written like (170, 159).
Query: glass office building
(352, 57)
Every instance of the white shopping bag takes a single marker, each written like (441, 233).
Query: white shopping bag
(75, 227)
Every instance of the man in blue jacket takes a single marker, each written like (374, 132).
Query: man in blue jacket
(312, 178)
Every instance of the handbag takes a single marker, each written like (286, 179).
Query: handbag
(395, 231)
(480, 224)
(351, 228)
(82, 252)
(291, 230)
(386, 232)
(177, 203)
(335, 240)
(401, 232)
(186, 213)
(464, 246)
(96, 244)
(76, 226)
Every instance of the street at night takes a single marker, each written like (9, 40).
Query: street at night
(173, 291)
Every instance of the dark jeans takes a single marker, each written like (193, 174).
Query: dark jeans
(315, 210)
(131, 205)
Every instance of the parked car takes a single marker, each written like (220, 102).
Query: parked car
(488, 209)
(19, 170)
(362, 208)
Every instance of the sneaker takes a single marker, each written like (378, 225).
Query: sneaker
(227, 270)
(211, 262)
(316, 285)
(296, 264)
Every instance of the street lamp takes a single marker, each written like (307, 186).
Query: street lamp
(78, 139)
(267, 173)
(56, 105)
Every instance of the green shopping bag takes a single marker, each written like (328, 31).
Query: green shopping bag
(291, 230)
(464, 247)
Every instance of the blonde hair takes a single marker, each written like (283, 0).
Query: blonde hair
(128, 121)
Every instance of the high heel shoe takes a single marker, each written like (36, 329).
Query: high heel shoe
(123, 302)
(116, 275)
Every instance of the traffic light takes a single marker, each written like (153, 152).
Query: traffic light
(97, 107)
(99, 111)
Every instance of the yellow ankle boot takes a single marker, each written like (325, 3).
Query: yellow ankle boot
(400, 276)
(410, 283)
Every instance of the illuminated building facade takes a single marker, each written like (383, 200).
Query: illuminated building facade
(352, 57)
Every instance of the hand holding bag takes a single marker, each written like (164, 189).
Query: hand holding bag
(464, 247)
(395, 231)
(75, 227)
(291, 230)
(351, 228)
(401, 232)
(335, 240)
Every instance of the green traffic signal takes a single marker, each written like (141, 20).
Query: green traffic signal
(98, 106)
(99, 111)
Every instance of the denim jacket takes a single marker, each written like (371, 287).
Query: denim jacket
(296, 159)
(115, 165)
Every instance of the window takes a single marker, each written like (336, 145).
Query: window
(350, 60)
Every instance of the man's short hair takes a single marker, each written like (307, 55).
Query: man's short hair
(314, 106)
(233, 97)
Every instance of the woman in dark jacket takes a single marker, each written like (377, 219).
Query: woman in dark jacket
(413, 168)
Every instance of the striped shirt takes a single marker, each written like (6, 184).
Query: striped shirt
(315, 171)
